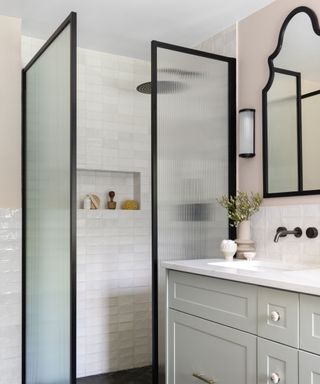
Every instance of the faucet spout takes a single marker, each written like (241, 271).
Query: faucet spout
(283, 232)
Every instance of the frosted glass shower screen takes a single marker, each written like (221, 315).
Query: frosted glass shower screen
(49, 140)
(193, 99)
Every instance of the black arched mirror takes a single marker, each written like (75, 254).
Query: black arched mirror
(291, 109)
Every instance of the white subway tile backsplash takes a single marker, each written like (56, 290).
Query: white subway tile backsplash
(10, 296)
(289, 249)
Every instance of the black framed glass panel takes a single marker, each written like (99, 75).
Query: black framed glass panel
(49, 169)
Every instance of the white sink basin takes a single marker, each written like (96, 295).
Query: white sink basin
(259, 266)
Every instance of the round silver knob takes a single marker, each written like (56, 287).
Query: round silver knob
(275, 378)
(275, 316)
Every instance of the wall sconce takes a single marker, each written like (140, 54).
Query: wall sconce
(247, 133)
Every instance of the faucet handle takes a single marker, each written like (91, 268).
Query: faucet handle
(312, 232)
(282, 229)
(298, 232)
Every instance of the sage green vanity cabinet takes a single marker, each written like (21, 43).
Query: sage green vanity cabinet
(203, 349)
(278, 316)
(223, 301)
(310, 323)
(226, 332)
(277, 363)
(309, 368)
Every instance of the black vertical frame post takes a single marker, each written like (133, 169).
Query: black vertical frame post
(232, 167)
(23, 223)
(73, 197)
(71, 21)
(299, 133)
(232, 135)
(154, 210)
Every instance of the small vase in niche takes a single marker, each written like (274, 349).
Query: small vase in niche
(112, 204)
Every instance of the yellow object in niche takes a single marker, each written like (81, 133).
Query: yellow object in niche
(130, 205)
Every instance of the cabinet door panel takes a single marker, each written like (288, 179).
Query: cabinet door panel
(309, 368)
(284, 327)
(222, 301)
(200, 347)
(310, 323)
(278, 360)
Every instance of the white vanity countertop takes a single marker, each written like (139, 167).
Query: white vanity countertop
(302, 278)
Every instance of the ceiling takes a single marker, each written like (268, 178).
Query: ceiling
(126, 27)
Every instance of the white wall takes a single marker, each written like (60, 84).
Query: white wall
(10, 201)
(10, 112)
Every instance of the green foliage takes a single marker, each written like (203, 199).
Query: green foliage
(241, 207)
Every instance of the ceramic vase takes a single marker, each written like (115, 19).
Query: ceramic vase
(244, 242)
(228, 249)
(244, 231)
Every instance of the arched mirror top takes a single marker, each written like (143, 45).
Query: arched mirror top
(291, 109)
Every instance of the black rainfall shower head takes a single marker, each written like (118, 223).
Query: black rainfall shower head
(163, 87)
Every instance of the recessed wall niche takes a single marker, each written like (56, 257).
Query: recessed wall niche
(125, 184)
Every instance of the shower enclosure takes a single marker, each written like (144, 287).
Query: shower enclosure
(194, 163)
(49, 214)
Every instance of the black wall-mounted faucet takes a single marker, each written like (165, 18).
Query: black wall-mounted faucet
(283, 232)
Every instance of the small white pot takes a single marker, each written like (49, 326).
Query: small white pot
(228, 249)
(244, 230)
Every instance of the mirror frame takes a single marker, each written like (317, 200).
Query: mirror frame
(300, 192)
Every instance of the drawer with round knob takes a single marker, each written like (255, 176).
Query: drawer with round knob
(277, 363)
(278, 316)
(310, 323)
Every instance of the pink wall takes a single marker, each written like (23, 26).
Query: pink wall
(257, 39)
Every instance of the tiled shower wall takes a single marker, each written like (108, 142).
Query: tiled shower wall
(114, 252)
(10, 296)
(223, 43)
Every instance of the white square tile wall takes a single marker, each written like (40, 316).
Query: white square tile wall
(114, 252)
(223, 43)
(10, 296)
(288, 249)
(114, 290)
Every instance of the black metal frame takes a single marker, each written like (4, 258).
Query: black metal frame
(72, 21)
(273, 69)
(250, 155)
(232, 187)
(310, 94)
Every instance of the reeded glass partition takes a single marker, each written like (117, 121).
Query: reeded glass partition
(48, 212)
(194, 111)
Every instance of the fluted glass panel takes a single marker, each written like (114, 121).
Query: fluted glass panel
(192, 125)
(47, 210)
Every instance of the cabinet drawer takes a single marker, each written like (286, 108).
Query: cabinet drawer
(226, 302)
(278, 316)
(309, 368)
(276, 361)
(310, 323)
(199, 348)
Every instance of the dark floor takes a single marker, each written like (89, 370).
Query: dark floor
(131, 376)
